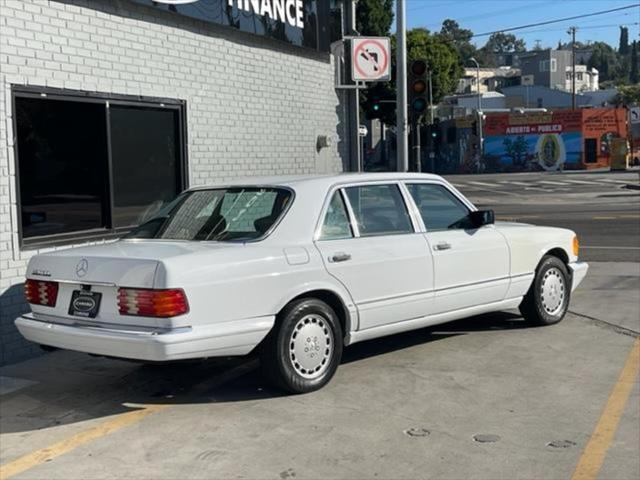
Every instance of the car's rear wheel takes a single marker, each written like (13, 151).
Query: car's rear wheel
(302, 353)
(547, 300)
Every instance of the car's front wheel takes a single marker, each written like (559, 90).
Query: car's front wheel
(547, 300)
(302, 353)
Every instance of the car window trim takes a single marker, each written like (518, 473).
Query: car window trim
(353, 226)
(466, 203)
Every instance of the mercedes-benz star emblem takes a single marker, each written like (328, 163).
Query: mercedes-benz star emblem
(82, 267)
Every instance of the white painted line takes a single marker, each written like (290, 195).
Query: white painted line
(457, 185)
(582, 182)
(483, 184)
(548, 182)
(610, 248)
(611, 180)
(512, 182)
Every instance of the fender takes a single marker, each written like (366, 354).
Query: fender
(333, 287)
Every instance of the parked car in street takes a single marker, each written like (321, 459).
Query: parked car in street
(295, 269)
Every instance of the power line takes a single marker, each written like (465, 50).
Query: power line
(602, 12)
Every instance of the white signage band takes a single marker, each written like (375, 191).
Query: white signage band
(286, 11)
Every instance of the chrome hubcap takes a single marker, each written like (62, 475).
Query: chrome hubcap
(311, 346)
(552, 291)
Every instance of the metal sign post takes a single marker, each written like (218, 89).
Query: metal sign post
(402, 150)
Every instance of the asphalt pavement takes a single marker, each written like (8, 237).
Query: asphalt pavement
(481, 398)
(602, 208)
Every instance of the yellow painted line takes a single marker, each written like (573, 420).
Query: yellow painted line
(596, 450)
(604, 218)
(629, 216)
(43, 455)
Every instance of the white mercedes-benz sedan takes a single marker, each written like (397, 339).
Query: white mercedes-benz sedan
(295, 269)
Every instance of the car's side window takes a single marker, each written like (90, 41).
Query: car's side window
(439, 208)
(336, 221)
(379, 210)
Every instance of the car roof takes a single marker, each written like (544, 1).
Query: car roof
(320, 181)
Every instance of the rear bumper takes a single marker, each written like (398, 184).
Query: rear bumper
(578, 272)
(217, 340)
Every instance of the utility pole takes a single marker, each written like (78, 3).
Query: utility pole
(402, 149)
(479, 111)
(572, 32)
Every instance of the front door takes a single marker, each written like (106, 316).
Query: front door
(380, 259)
(471, 264)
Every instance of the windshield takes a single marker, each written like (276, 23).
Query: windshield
(242, 213)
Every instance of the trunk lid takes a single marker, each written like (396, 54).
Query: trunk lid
(103, 269)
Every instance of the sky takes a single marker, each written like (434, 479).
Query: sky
(490, 15)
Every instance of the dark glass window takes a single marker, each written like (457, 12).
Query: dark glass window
(379, 210)
(86, 168)
(62, 152)
(439, 208)
(240, 214)
(146, 161)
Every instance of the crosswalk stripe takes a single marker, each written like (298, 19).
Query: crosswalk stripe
(611, 180)
(512, 182)
(582, 182)
(548, 182)
(483, 184)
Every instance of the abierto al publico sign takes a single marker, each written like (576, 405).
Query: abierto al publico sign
(286, 11)
(305, 23)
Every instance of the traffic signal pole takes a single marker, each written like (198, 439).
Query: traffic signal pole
(402, 149)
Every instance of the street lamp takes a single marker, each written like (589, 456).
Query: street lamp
(480, 140)
(478, 82)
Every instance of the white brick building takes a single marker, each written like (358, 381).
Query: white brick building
(96, 93)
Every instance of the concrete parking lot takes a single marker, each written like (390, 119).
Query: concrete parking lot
(482, 398)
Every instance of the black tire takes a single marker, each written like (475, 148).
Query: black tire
(535, 310)
(324, 339)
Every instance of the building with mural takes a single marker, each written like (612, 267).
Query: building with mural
(535, 141)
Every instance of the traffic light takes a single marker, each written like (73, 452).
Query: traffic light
(418, 72)
(379, 102)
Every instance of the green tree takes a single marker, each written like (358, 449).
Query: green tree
(623, 48)
(501, 43)
(634, 75)
(459, 38)
(628, 95)
(374, 17)
(604, 59)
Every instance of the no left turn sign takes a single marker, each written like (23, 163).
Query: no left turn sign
(370, 59)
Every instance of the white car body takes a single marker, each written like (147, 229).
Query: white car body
(235, 290)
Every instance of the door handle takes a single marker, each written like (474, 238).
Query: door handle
(340, 257)
(442, 246)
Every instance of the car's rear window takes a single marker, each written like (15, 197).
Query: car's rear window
(239, 213)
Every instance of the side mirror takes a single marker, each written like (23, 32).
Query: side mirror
(482, 217)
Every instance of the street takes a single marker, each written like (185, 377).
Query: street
(599, 207)
(483, 397)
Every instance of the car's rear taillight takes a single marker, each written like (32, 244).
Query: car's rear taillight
(41, 293)
(152, 303)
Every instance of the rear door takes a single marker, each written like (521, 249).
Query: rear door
(471, 264)
(370, 243)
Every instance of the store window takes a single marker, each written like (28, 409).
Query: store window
(90, 167)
